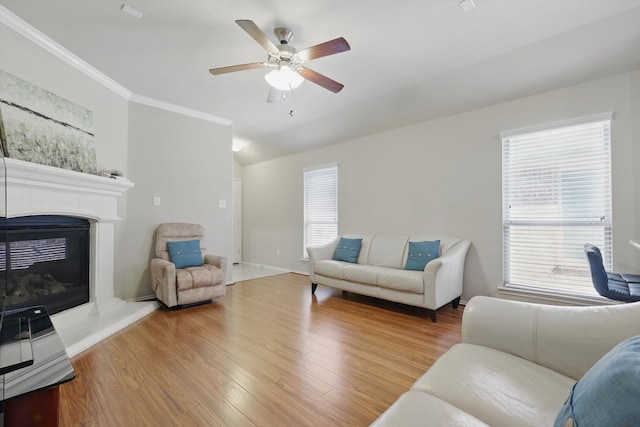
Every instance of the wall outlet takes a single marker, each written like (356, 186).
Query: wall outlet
(277, 252)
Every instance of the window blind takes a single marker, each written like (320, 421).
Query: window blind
(556, 198)
(320, 206)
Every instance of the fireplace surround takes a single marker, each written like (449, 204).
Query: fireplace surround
(33, 189)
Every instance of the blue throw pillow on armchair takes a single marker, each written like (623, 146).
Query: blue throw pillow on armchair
(420, 253)
(348, 250)
(609, 393)
(185, 253)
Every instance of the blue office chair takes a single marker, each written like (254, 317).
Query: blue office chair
(616, 286)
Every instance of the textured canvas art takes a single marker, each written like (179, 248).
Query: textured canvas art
(40, 127)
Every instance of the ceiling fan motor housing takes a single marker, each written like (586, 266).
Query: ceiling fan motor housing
(283, 34)
(287, 53)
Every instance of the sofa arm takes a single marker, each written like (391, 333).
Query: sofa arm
(163, 281)
(443, 276)
(564, 339)
(325, 251)
(218, 261)
(317, 253)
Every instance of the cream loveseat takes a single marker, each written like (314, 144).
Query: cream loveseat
(518, 363)
(379, 271)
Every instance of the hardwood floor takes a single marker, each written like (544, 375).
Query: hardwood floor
(266, 354)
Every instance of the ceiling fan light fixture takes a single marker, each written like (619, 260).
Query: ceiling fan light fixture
(283, 78)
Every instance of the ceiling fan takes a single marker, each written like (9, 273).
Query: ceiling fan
(288, 71)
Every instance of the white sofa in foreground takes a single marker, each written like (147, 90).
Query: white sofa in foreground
(380, 270)
(518, 363)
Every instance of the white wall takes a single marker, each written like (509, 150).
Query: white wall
(186, 161)
(442, 176)
(237, 170)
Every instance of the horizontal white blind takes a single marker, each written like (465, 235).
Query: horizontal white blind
(320, 206)
(556, 198)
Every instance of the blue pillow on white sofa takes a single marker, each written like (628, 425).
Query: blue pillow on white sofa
(348, 250)
(420, 253)
(609, 393)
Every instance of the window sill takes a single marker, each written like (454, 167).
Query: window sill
(553, 296)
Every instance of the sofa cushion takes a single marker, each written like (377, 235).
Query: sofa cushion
(366, 274)
(402, 280)
(496, 387)
(608, 393)
(420, 253)
(329, 268)
(415, 408)
(348, 250)
(185, 253)
(387, 250)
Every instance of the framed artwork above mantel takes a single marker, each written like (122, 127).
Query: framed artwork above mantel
(41, 127)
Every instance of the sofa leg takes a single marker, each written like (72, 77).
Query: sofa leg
(455, 302)
(432, 313)
(313, 288)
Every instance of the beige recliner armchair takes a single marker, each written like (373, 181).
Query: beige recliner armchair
(181, 273)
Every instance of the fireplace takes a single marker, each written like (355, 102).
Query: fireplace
(48, 260)
(36, 190)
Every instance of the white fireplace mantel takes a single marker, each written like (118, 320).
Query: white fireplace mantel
(34, 189)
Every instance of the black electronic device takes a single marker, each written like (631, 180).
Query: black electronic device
(16, 349)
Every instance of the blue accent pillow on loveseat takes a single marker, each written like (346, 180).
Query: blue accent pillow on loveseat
(420, 253)
(348, 250)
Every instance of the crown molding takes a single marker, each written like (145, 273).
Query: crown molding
(31, 33)
(140, 99)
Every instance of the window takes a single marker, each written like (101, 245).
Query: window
(320, 206)
(556, 197)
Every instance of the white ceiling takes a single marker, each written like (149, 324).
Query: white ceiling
(410, 60)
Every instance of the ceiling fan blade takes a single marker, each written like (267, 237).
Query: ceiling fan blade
(324, 49)
(257, 34)
(275, 95)
(321, 80)
(234, 68)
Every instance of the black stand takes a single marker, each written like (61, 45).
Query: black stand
(36, 365)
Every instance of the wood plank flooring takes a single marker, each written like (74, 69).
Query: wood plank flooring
(266, 354)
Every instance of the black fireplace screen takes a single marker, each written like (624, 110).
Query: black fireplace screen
(48, 261)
